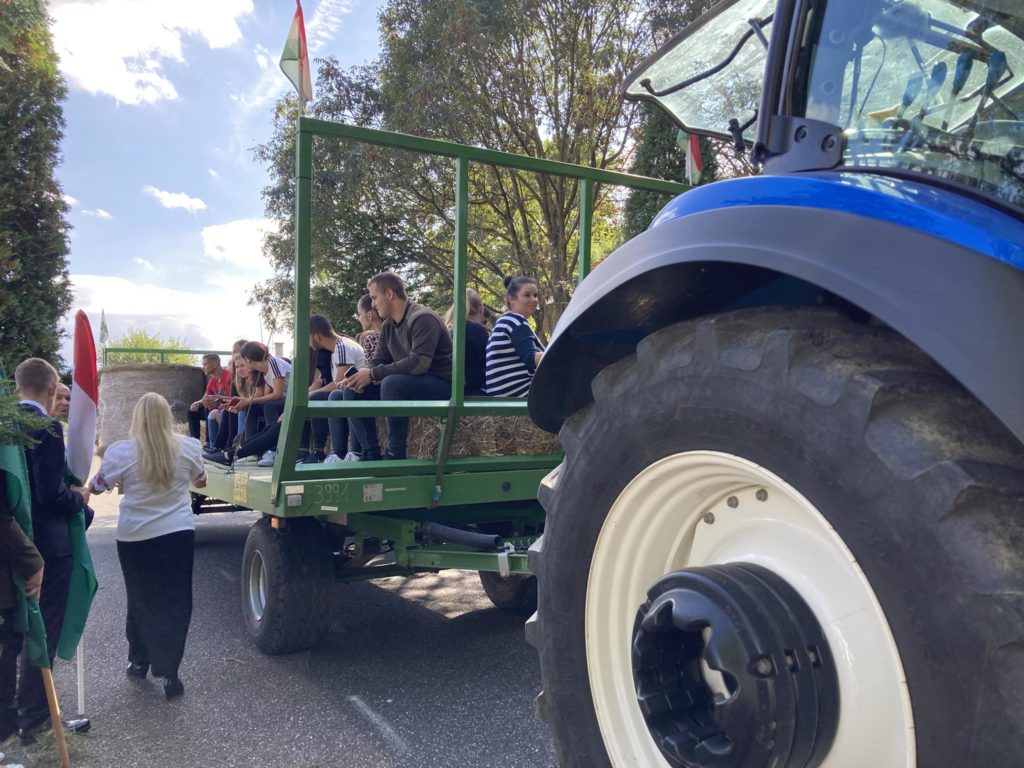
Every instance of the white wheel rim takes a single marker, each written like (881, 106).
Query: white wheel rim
(257, 586)
(660, 523)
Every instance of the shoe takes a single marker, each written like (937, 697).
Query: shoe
(313, 457)
(77, 724)
(334, 458)
(370, 454)
(173, 687)
(247, 460)
(27, 733)
(353, 456)
(136, 670)
(394, 456)
(225, 458)
(267, 460)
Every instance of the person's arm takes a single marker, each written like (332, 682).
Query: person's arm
(48, 487)
(425, 332)
(194, 453)
(526, 345)
(111, 469)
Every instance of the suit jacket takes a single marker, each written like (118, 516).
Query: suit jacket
(52, 501)
(18, 556)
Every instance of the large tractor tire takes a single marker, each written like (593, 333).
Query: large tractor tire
(287, 585)
(780, 538)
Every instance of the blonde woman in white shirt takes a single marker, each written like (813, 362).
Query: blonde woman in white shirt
(155, 536)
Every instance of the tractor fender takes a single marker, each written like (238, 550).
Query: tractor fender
(940, 268)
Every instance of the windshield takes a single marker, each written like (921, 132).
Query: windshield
(706, 105)
(933, 86)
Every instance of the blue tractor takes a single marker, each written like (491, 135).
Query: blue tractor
(789, 526)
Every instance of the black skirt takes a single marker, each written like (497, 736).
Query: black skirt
(158, 580)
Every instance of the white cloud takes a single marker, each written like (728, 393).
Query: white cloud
(99, 213)
(119, 47)
(238, 242)
(144, 263)
(175, 199)
(213, 173)
(70, 200)
(263, 58)
(324, 24)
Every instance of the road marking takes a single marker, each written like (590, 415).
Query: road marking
(389, 733)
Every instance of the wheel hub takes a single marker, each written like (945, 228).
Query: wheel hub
(732, 670)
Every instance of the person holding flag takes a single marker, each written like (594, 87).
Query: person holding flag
(54, 504)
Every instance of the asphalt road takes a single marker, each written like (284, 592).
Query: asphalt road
(416, 672)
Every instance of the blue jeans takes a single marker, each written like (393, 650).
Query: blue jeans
(212, 426)
(397, 386)
(318, 428)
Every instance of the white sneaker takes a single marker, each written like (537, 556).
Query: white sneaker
(332, 458)
(247, 460)
(352, 456)
(267, 460)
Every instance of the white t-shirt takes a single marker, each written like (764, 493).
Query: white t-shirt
(278, 369)
(347, 352)
(148, 512)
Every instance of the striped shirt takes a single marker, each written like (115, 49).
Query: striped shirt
(510, 351)
(278, 369)
(347, 352)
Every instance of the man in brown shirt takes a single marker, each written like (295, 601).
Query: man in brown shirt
(413, 362)
(18, 557)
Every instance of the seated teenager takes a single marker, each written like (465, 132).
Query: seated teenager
(413, 362)
(513, 350)
(370, 322)
(345, 353)
(476, 341)
(218, 386)
(275, 372)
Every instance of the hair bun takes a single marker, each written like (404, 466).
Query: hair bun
(508, 280)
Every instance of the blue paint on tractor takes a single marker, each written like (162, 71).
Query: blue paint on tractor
(924, 208)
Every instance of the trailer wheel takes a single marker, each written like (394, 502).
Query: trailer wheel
(782, 538)
(514, 594)
(287, 585)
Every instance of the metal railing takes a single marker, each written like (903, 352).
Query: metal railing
(297, 405)
(163, 353)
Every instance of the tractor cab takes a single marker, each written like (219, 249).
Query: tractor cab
(929, 89)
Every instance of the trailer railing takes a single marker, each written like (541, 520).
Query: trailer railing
(297, 405)
(162, 354)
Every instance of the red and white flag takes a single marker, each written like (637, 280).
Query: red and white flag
(85, 398)
(694, 161)
(295, 57)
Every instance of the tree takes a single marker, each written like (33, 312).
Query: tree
(536, 78)
(140, 339)
(35, 291)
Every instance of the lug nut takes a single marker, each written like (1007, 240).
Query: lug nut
(761, 495)
(733, 502)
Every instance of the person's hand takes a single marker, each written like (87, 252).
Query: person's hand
(358, 381)
(318, 380)
(243, 403)
(209, 401)
(536, 358)
(34, 583)
(195, 406)
(86, 493)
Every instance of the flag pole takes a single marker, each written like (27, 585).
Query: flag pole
(81, 677)
(58, 729)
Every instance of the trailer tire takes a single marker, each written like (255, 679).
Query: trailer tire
(514, 594)
(888, 461)
(287, 585)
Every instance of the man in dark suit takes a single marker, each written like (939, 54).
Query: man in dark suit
(53, 502)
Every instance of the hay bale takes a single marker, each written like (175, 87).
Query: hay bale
(481, 436)
(121, 386)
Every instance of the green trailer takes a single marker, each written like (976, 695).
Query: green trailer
(324, 523)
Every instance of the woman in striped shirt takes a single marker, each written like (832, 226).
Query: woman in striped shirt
(513, 350)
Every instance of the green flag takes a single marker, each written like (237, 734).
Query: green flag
(81, 589)
(27, 617)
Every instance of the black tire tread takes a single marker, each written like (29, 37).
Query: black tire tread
(894, 395)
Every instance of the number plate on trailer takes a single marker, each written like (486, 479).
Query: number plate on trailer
(373, 492)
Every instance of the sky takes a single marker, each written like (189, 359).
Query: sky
(165, 102)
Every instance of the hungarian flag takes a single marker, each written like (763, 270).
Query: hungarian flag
(85, 397)
(295, 57)
(694, 161)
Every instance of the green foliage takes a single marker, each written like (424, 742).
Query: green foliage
(34, 286)
(538, 79)
(140, 339)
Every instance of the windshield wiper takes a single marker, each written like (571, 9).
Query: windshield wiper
(755, 24)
